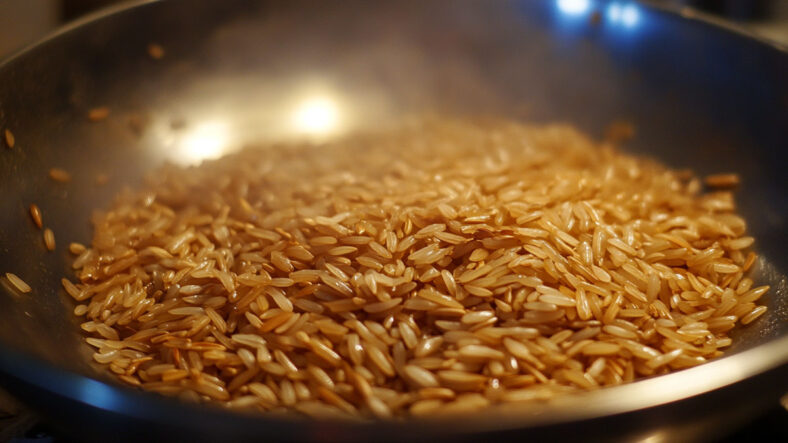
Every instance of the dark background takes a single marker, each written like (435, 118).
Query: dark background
(23, 21)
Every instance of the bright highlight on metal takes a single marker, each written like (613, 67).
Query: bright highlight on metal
(573, 7)
(316, 115)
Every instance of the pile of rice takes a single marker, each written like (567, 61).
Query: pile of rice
(442, 267)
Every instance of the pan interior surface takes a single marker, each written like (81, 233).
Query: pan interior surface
(241, 72)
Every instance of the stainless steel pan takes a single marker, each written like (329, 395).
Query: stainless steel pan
(701, 97)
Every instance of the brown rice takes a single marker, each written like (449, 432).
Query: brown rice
(49, 239)
(9, 138)
(98, 114)
(35, 214)
(18, 283)
(155, 51)
(59, 175)
(442, 267)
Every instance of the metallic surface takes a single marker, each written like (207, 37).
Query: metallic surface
(237, 72)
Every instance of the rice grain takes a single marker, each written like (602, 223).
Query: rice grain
(59, 175)
(439, 268)
(98, 114)
(10, 140)
(35, 214)
(156, 51)
(18, 283)
(49, 239)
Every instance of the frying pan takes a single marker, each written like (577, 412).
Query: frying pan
(234, 72)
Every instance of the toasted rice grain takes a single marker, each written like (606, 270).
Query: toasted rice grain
(18, 283)
(35, 214)
(155, 51)
(505, 264)
(10, 141)
(722, 180)
(59, 175)
(98, 114)
(49, 239)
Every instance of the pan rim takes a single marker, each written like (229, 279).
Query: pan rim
(607, 402)
(734, 368)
